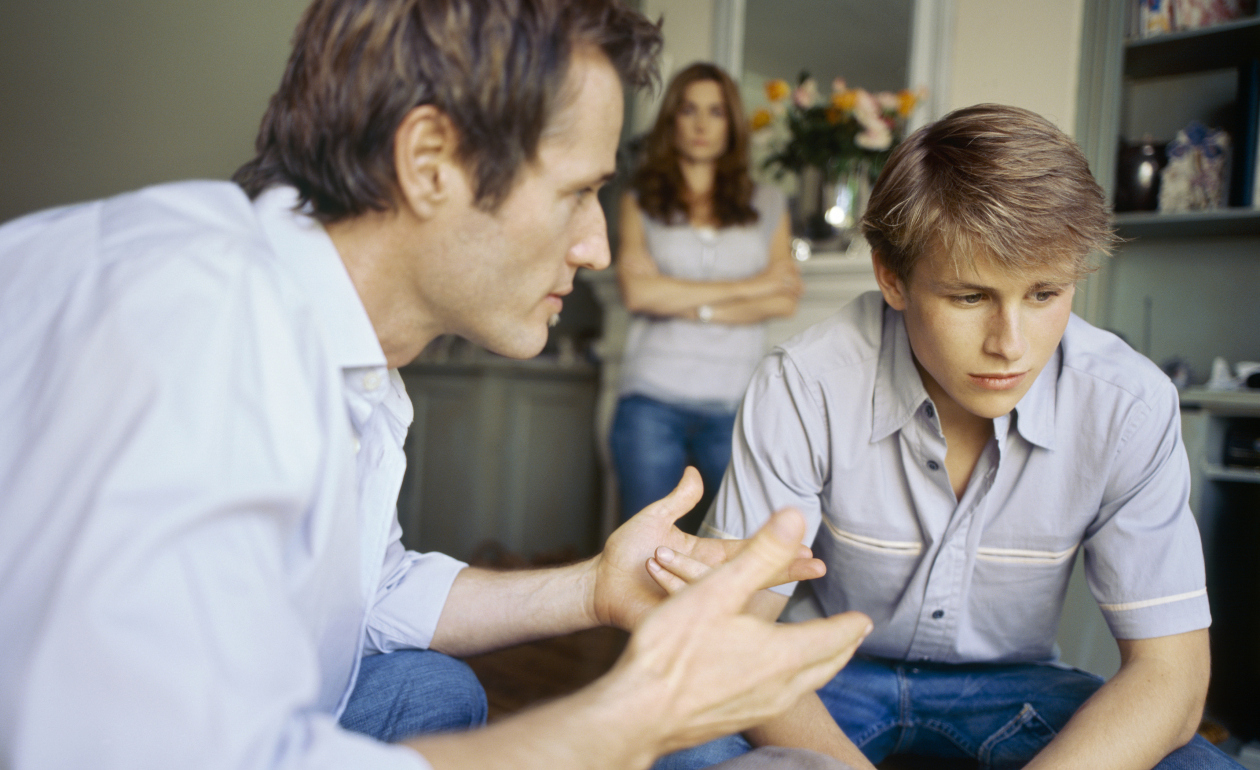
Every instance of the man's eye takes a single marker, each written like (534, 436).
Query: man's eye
(1045, 296)
(970, 299)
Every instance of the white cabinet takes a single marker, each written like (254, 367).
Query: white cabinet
(501, 452)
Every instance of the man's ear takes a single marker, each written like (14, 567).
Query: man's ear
(425, 161)
(890, 284)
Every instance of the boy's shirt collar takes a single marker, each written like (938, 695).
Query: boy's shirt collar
(899, 392)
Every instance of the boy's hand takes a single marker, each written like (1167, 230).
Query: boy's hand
(622, 590)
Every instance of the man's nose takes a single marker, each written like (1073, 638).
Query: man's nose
(590, 248)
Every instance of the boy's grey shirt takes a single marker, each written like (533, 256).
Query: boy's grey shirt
(837, 423)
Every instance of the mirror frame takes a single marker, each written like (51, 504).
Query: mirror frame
(931, 50)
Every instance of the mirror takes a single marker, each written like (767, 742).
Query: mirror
(867, 44)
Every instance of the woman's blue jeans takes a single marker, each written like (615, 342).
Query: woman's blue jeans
(411, 692)
(652, 442)
(999, 716)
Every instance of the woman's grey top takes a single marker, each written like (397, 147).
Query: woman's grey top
(687, 362)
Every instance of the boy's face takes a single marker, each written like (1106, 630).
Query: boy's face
(980, 334)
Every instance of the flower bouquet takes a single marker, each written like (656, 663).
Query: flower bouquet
(836, 147)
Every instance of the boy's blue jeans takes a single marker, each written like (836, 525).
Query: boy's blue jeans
(410, 692)
(998, 715)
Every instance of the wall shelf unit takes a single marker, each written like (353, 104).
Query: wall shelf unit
(1184, 286)
(1177, 53)
(1195, 224)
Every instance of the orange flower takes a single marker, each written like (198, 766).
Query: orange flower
(777, 90)
(760, 119)
(834, 115)
(844, 100)
(907, 100)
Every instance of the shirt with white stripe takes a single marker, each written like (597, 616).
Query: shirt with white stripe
(837, 423)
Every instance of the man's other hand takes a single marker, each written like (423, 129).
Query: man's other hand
(708, 669)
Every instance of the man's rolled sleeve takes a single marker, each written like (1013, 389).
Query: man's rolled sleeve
(410, 599)
(1143, 557)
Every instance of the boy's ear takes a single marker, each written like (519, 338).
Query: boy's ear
(425, 161)
(890, 284)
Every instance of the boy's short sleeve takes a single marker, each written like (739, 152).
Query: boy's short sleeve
(779, 456)
(1143, 558)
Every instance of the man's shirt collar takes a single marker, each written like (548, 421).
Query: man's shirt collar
(309, 257)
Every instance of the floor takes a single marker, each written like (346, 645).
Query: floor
(530, 673)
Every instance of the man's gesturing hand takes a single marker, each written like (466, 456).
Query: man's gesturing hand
(704, 669)
(621, 588)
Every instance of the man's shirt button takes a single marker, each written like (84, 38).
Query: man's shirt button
(938, 614)
(933, 465)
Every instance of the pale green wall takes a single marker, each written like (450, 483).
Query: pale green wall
(101, 97)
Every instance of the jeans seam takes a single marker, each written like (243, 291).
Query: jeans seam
(1026, 716)
(904, 714)
(955, 737)
(871, 733)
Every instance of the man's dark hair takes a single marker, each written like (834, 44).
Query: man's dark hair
(495, 68)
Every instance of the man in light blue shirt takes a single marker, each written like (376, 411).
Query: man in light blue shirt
(953, 441)
(202, 429)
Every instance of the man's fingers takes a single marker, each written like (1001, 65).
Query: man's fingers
(804, 569)
(768, 553)
(682, 499)
(683, 566)
(826, 644)
(664, 578)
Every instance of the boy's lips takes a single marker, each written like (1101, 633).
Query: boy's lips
(998, 380)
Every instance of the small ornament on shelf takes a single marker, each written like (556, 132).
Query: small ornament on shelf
(1197, 14)
(1157, 17)
(1196, 176)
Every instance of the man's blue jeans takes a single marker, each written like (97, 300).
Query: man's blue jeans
(652, 442)
(410, 692)
(1000, 716)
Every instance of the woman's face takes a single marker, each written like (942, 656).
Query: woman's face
(701, 126)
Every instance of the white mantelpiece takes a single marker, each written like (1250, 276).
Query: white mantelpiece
(832, 279)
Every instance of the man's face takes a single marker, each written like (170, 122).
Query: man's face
(982, 334)
(503, 275)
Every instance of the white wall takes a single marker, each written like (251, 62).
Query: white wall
(1021, 53)
(688, 31)
(101, 97)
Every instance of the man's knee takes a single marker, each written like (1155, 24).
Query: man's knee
(412, 692)
(454, 684)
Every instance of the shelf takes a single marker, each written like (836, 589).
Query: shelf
(1192, 224)
(1218, 47)
(1228, 473)
(1224, 402)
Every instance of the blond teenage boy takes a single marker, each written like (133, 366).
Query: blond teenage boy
(954, 440)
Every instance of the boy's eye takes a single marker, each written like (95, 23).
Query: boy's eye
(970, 299)
(1045, 296)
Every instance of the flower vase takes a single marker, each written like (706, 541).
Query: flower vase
(828, 211)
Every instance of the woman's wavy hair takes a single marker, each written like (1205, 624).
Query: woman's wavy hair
(993, 182)
(659, 182)
(496, 68)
